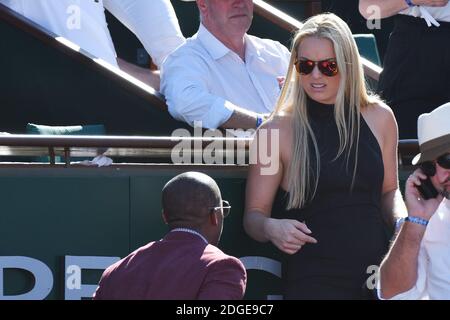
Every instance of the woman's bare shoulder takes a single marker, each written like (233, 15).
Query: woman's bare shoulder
(380, 110)
(380, 115)
(279, 121)
(381, 120)
(279, 127)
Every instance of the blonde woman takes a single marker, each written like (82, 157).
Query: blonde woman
(337, 179)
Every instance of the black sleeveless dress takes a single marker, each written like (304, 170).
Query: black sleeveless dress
(347, 224)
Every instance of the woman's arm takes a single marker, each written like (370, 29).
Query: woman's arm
(381, 121)
(392, 204)
(263, 181)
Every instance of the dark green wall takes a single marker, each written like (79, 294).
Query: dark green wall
(47, 214)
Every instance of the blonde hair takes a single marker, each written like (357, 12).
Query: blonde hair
(351, 96)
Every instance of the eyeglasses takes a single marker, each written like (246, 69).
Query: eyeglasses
(327, 67)
(226, 208)
(429, 168)
(444, 161)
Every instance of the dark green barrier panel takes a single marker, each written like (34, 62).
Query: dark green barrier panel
(48, 214)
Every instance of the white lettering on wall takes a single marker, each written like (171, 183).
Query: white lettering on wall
(41, 272)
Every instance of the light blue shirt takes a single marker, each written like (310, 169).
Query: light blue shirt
(431, 15)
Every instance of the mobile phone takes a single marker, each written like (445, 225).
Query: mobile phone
(426, 189)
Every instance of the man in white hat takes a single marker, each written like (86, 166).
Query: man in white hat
(417, 266)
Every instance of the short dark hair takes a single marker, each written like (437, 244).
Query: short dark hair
(186, 198)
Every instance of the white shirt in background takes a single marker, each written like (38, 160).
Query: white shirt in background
(430, 14)
(203, 80)
(89, 31)
(154, 23)
(433, 274)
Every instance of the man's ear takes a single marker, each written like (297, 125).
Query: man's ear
(213, 218)
(202, 6)
(163, 215)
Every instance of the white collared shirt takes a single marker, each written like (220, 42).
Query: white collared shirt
(204, 81)
(433, 274)
(83, 22)
(431, 15)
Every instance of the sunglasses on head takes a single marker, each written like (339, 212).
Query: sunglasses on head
(327, 67)
(444, 161)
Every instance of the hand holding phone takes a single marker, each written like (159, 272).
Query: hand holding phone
(426, 189)
(421, 197)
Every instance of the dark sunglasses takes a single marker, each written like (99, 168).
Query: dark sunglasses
(225, 207)
(429, 168)
(444, 161)
(327, 67)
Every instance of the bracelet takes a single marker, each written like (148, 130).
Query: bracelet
(409, 3)
(417, 220)
(259, 121)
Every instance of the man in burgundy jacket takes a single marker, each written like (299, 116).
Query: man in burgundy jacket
(185, 264)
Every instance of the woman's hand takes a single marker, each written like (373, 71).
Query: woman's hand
(288, 235)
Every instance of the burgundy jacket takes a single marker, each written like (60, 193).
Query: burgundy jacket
(181, 266)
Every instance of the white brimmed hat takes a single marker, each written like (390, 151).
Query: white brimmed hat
(433, 131)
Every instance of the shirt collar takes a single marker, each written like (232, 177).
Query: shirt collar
(252, 48)
(213, 45)
(217, 49)
(191, 232)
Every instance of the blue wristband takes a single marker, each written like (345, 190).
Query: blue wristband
(409, 3)
(417, 220)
